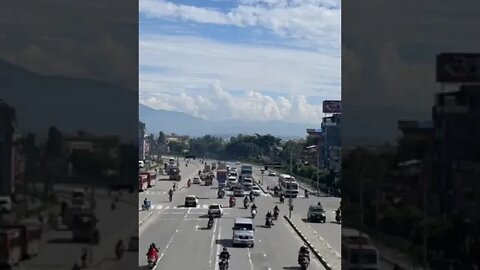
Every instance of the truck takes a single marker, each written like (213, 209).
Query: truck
(222, 166)
(245, 171)
(221, 177)
(84, 228)
(174, 174)
(151, 178)
(71, 212)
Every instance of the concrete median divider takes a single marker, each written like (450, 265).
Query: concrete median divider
(314, 250)
(146, 218)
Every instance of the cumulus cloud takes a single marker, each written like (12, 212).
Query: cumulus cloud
(194, 63)
(315, 21)
(219, 104)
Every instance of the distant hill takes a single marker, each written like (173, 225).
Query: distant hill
(67, 103)
(182, 123)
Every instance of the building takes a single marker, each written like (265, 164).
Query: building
(141, 141)
(312, 154)
(176, 138)
(330, 144)
(7, 150)
(456, 118)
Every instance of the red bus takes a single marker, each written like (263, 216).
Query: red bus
(10, 247)
(30, 235)
(146, 177)
(142, 182)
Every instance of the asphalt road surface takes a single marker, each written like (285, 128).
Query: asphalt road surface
(186, 243)
(58, 251)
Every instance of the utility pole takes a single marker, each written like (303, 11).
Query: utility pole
(318, 171)
(290, 203)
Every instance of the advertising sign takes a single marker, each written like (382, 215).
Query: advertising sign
(458, 67)
(332, 106)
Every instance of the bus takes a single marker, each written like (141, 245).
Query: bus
(30, 235)
(10, 247)
(142, 182)
(359, 256)
(288, 185)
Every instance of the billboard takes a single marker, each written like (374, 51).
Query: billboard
(458, 67)
(332, 106)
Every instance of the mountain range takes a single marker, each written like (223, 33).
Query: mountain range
(69, 104)
(185, 124)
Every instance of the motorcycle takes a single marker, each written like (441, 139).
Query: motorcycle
(223, 264)
(306, 195)
(119, 253)
(304, 262)
(146, 206)
(338, 218)
(232, 203)
(245, 204)
(170, 197)
(275, 215)
(268, 222)
(254, 213)
(151, 262)
(210, 223)
(221, 194)
(189, 183)
(282, 199)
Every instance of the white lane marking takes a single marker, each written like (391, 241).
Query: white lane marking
(250, 259)
(211, 245)
(218, 245)
(168, 244)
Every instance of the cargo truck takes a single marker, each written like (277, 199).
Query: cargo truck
(221, 177)
(174, 174)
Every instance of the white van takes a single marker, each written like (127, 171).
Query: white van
(243, 232)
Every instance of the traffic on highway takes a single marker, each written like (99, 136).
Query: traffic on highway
(206, 214)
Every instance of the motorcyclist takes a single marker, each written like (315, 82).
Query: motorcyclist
(306, 193)
(304, 252)
(252, 197)
(282, 198)
(225, 254)
(232, 201)
(145, 203)
(276, 210)
(268, 218)
(245, 201)
(189, 182)
(170, 194)
(153, 252)
(253, 207)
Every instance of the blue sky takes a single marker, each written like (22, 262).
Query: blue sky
(249, 59)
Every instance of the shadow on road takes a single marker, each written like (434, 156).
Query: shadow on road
(61, 241)
(224, 242)
(291, 268)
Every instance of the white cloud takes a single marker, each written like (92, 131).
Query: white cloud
(317, 22)
(219, 104)
(195, 63)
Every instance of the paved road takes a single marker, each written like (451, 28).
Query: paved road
(185, 243)
(329, 231)
(57, 251)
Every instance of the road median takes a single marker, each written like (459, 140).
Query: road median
(329, 259)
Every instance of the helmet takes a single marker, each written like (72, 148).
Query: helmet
(224, 249)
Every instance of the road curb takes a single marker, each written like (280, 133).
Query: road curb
(145, 219)
(317, 254)
(260, 186)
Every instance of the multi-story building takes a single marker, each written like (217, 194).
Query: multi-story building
(330, 144)
(7, 129)
(456, 117)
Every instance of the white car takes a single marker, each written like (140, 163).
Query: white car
(256, 190)
(196, 180)
(191, 201)
(5, 204)
(215, 210)
(272, 173)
